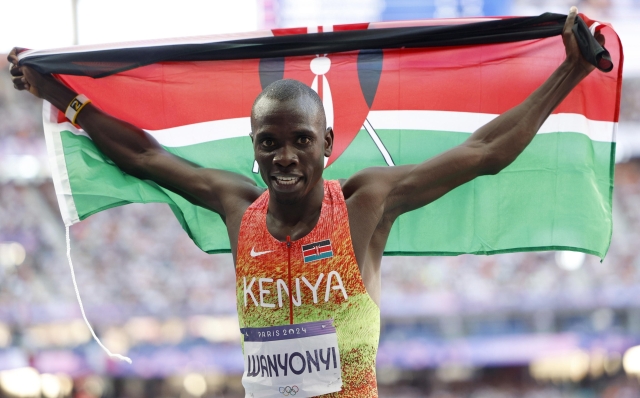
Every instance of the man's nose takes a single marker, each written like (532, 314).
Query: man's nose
(285, 156)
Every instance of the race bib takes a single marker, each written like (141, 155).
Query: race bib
(300, 360)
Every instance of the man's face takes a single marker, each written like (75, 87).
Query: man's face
(290, 143)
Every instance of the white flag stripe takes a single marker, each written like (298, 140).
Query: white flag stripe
(459, 122)
(57, 163)
(189, 134)
(468, 122)
(203, 132)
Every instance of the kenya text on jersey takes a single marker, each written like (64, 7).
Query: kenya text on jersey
(259, 292)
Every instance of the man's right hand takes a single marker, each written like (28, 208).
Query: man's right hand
(42, 86)
(25, 78)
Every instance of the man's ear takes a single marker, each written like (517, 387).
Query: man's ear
(251, 135)
(328, 141)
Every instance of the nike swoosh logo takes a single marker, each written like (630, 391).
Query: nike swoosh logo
(256, 254)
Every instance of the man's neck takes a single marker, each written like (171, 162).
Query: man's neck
(296, 218)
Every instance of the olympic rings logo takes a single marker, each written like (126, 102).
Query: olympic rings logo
(286, 391)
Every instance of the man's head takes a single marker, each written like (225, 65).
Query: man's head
(290, 138)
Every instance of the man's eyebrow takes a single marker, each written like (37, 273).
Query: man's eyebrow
(262, 133)
(298, 131)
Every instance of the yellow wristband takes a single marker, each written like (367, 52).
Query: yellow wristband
(75, 106)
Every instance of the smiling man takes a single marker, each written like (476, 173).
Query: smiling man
(308, 251)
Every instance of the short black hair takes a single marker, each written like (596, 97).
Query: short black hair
(288, 89)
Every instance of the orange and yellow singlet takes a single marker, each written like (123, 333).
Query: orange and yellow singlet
(309, 326)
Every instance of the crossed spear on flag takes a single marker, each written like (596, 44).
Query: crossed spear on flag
(369, 70)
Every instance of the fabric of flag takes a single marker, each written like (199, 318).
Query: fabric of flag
(395, 93)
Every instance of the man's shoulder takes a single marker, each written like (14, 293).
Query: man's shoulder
(242, 202)
(371, 181)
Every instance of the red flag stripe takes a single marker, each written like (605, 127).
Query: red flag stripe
(486, 79)
(312, 252)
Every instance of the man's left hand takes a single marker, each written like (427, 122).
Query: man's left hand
(574, 56)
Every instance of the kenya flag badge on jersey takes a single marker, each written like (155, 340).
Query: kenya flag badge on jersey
(317, 251)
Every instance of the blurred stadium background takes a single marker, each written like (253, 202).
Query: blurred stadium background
(527, 325)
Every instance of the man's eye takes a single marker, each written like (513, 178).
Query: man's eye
(304, 140)
(267, 143)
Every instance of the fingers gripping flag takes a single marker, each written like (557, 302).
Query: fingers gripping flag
(395, 93)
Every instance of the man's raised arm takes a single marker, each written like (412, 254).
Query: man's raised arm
(136, 152)
(491, 148)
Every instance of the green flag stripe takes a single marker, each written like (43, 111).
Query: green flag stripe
(556, 195)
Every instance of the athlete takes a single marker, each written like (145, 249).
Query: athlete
(308, 251)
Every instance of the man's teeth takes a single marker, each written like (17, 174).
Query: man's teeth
(286, 180)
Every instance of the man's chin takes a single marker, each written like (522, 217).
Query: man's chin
(287, 198)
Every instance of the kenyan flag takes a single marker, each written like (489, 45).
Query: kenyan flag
(395, 93)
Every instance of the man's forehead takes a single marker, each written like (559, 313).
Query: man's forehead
(266, 105)
(300, 109)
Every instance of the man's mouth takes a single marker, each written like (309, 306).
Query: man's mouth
(286, 180)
